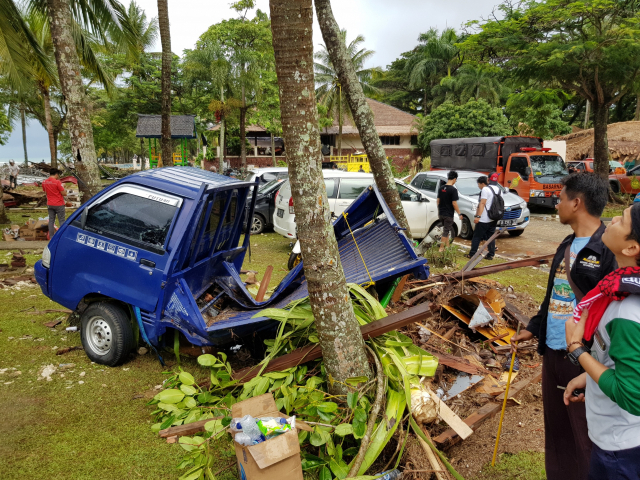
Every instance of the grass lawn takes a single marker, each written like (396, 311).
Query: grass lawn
(91, 422)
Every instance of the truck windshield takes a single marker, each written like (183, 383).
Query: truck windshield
(469, 186)
(547, 165)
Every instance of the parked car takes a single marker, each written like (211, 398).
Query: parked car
(344, 187)
(621, 180)
(267, 174)
(516, 215)
(265, 207)
(159, 252)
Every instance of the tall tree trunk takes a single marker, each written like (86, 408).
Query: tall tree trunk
(221, 171)
(587, 114)
(23, 120)
(78, 119)
(340, 122)
(49, 123)
(243, 126)
(636, 117)
(273, 151)
(362, 115)
(600, 140)
(3, 213)
(165, 40)
(338, 330)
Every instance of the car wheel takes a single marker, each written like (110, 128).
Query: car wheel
(615, 187)
(294, 260)
(466, 231)
(257, 225)
(107, 336)
(515, 233)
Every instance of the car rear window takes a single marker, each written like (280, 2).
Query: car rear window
(351, 188)
(132, 217)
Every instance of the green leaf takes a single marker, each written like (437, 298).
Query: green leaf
(170, 395)
(186, 378)
(352, 400)
(207, 360)
(356, 380)
(314, 339)
(191, 443)
(310, 461)
(192, 475)
(325, 474)
(327, 407)
(190, 403)
(317, 439)
(155, 428)
(276, 375)
(360, 414)
(193, 416)
(168, 407)
(188, 389)
(214, 426)
(300, 373)
(261, 387)
(344, 429)
(339, 468)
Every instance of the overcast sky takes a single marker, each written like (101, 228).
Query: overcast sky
(389, 27)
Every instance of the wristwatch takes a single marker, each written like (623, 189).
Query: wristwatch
(575, 355)
(477, 216)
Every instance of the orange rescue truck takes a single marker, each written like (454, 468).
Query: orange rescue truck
(525, 167)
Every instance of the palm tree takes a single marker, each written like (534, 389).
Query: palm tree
(328, 88)
(137, 34)
(478, 82)
(435, 57)
(165, 39)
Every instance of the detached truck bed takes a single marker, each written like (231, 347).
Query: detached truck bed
(160, 251)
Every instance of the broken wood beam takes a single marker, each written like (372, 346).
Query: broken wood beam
(264, 284)
(313, 352)
(186, 429)
(484, 413)
(491, 269)
(512, 312)
(459, 364)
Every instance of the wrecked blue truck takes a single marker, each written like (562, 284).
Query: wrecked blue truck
(160, 252)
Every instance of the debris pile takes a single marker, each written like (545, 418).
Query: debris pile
(32, 230)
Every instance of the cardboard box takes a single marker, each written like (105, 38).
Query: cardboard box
(276, 459)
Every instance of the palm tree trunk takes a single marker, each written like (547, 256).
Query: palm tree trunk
(600, 140)
(362, 116)
(221, 171)
(49, 123)
(243, 126)
(338, 331)
(24, 135)
(78, 120)
(3, 213)
(340, 122)
(636, 117)
(273, 151)
(165, 40)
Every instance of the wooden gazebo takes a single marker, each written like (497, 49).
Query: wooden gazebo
(183, 127)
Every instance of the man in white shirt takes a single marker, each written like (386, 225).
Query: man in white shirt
(14, 170)
(485, 227)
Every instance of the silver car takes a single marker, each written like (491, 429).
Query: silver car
(516, 215)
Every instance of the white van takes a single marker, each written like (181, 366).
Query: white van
(267, 174)
(344, 187)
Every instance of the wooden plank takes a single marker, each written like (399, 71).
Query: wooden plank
(264, 284)
(459, 364)
(312, 352)
(487, 411)
(397, 293)
(512, 312)
(448, 415)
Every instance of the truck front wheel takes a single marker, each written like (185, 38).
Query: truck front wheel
(107, 336)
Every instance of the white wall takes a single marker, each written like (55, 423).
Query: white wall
(558, 146)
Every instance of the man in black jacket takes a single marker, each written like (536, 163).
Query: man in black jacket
(585, 257)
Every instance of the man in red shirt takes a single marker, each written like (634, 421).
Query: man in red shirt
(56, 201)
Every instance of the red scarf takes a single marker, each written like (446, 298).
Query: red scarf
(616, 286)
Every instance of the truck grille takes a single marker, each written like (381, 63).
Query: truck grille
(511, 215)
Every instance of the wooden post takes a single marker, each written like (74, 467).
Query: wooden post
(265, 280)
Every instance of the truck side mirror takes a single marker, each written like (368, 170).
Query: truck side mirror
(527, 171)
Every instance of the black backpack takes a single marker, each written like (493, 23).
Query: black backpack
(496, 211)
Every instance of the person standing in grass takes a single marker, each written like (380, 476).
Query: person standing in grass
(610, 315)
(447, 204)
(56, 200)
(580, 262)
(14, 171)
(485, 226)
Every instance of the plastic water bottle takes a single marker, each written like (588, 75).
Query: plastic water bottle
(250, 428)
(391, 475)
(243, 439)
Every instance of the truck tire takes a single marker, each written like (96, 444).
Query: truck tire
(466, 231)
(515, 233)
(107, 336)
(257, 225)
(294, 259)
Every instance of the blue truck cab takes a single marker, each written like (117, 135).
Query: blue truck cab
(160, 251)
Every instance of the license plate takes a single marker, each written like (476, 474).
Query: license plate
(507, 223)
(280, 212)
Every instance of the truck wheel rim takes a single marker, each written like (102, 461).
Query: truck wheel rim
(99, 336)
(256, 225)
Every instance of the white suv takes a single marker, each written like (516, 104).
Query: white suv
(344, 187)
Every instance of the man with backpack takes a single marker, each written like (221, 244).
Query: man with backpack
(490, 210)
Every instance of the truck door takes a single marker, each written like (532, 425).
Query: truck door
(518, 166)
(118, 249)
(416, 211)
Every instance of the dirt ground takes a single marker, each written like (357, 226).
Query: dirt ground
(539, 238)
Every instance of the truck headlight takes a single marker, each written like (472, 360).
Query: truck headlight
(46, 257)
(536, 193)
